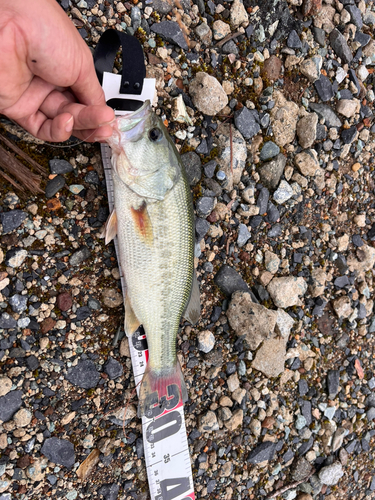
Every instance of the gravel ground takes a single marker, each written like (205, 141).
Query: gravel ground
(271, 107)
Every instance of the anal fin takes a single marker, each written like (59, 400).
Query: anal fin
(131, 321)
(193, 309)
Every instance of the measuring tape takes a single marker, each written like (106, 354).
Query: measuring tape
(164, 436)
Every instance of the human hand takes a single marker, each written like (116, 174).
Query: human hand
(48, 83)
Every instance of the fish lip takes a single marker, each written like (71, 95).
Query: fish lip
(130, 120)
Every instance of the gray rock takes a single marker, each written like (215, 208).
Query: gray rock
(59, 451)
(9, 404)
(324, 88)
(7, 321)
(230, 48)
(79, 256)
(246, 122)
(204, 206)
(371, 413)
(109, 491)
(326, 112)
(32, 363)
(202, 149)
(135, 16)
(271, 172)
(264, 451)
(269, 150)
(84, 374)
(193, 167)
(162, 6)
(209, 168)
(355, 15)
(300, 469)
(170, 31)
(283, 193)
(294, 41)
(92, 177)
(331, 474)
(243, 235)
(54, 185)
(113, 368)
(18, 303)
(229, 281)
(262, 201)
(60, 166)
(201, 228)
(11, 220)
(340, 46)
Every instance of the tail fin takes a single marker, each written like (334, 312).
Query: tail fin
(161, 391)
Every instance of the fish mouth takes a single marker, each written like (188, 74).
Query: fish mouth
(132, 125)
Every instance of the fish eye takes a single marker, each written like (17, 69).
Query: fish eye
(155, 134)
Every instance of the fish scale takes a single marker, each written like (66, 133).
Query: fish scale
(169, 279)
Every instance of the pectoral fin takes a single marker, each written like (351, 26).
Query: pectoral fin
(142, 223)
(193, 310)
(131, 321)
(110, 228)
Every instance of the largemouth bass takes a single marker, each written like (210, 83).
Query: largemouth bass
(154, 221)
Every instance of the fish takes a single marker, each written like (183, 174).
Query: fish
(153, 219)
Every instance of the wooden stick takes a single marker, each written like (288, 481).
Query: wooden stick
(289, 486)
(23, 155)
(11, 181)
(18, 170)
(228, 37)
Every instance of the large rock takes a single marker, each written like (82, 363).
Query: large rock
(207, 94)
(251, 320)
(272, 68)
(285, 292)
(348, 107)
(235, 150)
(171, 31)
(271, 172)
(9, 404)
(326, 112)
(310, 68)
(306, 130)
(238, 14)
(365, 260)
(284, 118)
(271, 356)
(340, 46)
(307, 162)
(59, 451)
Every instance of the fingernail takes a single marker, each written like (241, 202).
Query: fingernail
(100, 139)
(69, 125)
